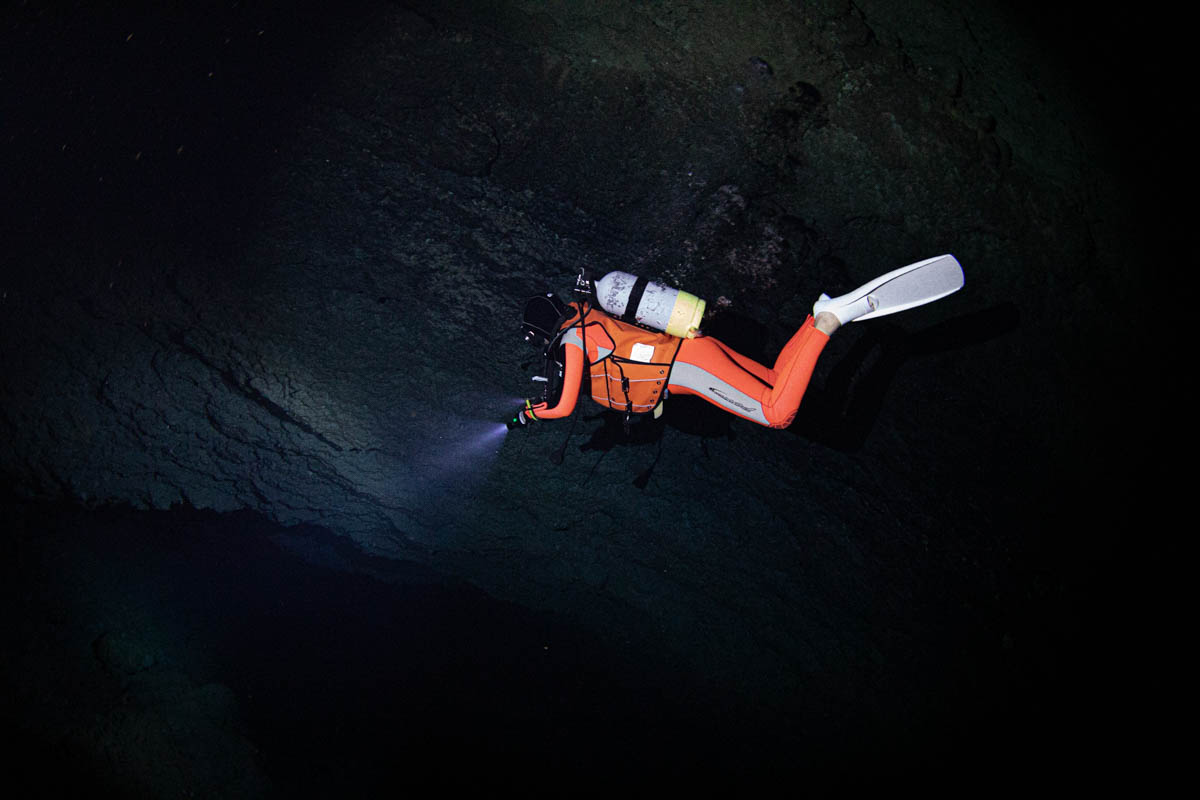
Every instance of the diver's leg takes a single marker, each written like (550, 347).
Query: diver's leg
(793, 370)
(769, 396)
(708, 368)
(764, 374)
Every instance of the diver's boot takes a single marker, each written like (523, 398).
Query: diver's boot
(846, 308)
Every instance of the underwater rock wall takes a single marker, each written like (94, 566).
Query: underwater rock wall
(432, 170)
(275, 261)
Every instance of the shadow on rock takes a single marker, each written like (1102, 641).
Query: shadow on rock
(842, 413)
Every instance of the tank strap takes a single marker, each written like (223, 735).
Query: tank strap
(635, 299)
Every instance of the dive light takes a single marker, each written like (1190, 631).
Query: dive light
(519, 419)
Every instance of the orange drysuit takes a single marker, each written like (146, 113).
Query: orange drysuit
(632, 369)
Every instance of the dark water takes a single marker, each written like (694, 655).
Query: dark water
(185, 652)
(243, 650)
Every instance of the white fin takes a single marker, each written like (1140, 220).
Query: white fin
(900, 289)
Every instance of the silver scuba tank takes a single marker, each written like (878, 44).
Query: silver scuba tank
(649, 303)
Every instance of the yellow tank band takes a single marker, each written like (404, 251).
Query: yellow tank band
(686, 315)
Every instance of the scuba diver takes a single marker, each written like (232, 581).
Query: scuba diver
(639, 342)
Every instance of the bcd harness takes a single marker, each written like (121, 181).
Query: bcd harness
(628, 366)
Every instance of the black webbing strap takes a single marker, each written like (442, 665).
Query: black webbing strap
(635, 299)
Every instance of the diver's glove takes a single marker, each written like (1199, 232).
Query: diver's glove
(522, 416)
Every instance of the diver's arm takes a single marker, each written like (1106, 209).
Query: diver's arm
(572, 375)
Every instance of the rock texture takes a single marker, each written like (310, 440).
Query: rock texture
(273, 260)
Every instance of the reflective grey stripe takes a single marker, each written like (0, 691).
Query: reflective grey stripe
(572, 337)
(603, 400)
(706, 385)
(631, 380)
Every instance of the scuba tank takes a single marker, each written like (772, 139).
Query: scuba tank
(650, 304)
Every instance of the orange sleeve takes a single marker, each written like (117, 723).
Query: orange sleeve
(572, 375)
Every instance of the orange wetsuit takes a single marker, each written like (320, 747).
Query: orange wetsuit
(629, 368)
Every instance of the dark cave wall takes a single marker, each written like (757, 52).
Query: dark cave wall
(301, 299)
(427, 171)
